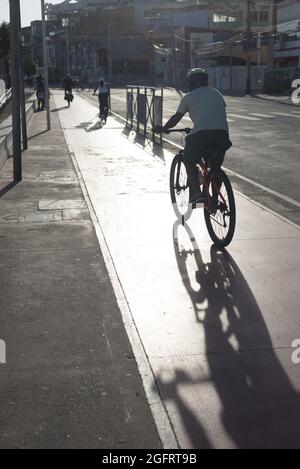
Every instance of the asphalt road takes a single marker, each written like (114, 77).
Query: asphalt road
(264, 160)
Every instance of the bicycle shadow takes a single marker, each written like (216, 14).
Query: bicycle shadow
(260, 408)
(145, 143)
(91, 126)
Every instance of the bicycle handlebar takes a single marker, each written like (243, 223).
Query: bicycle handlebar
(186, 130)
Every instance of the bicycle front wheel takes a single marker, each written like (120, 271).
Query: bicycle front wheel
(220, 214)
(180, 190)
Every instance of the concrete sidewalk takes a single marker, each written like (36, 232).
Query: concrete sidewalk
(70, 378)
(218, 328)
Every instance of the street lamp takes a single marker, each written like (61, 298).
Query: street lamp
(65, 23)
(248, 86)
(45, 63)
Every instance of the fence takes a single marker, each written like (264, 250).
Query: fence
(4, 98)
(144, 108)
(279, 80)
(234, 78)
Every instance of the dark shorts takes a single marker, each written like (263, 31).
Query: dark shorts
(197, 144)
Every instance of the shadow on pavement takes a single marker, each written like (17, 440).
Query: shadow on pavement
(145, 143)
(60, 108)
(89, 126)
(39, 133)
(7, 188)
(260, 408)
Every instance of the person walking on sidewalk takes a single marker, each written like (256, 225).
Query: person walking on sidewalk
(103, 95)
(40, 92)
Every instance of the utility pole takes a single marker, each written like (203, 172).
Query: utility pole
(272, 35)
(174, 56)
(22, 95)
(231, 64)
(45, 63)
(109, 51)
(15, 84)
(248, 20)
(258, 49)
(66, 25)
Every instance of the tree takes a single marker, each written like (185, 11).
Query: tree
(5, 48)
(29, 67)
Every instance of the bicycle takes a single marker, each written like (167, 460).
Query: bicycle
(103, 107)
(219, 205)
(104, 114)
(68, 97)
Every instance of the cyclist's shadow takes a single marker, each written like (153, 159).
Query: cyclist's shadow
(260, 408)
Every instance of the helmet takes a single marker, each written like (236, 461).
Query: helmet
(197, 77)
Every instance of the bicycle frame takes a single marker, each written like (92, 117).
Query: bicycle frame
(206, 182)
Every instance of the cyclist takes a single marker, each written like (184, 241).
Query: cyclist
(103, 94)
(40, 92)
(68, 85)
(207, 110)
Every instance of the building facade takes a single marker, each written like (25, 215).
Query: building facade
(287, 50)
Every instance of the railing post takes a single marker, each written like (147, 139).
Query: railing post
(132, 113)
(153, 114)
(161, 113)
(126, 105)
(137, 108)
(146, 116)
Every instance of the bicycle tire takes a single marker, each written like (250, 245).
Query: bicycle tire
(175, 166)
(225, 241)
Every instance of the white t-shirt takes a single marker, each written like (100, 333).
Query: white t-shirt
(102, 89)
(206, 107)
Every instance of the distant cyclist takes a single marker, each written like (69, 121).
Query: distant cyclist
(40, 92)
(68, 85)
(207, 110)
(103, 95)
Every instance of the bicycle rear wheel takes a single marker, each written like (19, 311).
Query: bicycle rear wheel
(180, 190)
(220, 216)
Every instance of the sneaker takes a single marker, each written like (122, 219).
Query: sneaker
(198, 198)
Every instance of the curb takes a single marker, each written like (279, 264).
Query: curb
(273, 100)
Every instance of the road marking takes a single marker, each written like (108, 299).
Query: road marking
(283, 114)
(119, 99)
(267, 116)
(248, 118)
(229, 108)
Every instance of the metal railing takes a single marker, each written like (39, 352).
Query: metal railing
(144, 109)
(5, 97)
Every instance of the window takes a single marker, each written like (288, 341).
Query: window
(223, 18)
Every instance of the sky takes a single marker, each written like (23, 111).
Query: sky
(30, 10)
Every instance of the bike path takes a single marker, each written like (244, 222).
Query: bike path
(217, 328)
